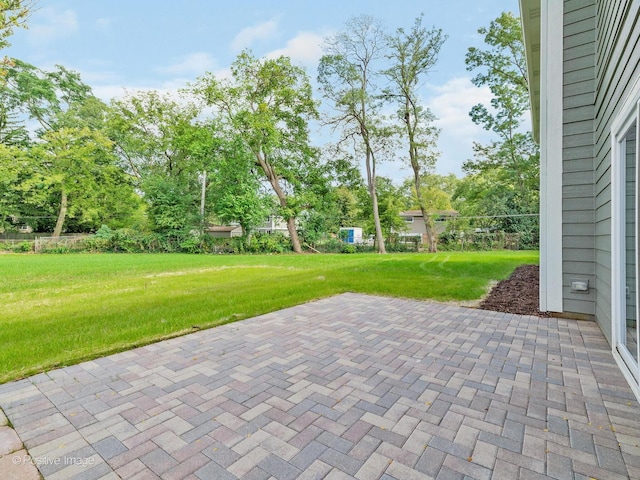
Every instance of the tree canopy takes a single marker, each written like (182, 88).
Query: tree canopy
(13, 13)
(267, 104)
(413, 54)
(503, 178)
(236, 150)
(347, 75)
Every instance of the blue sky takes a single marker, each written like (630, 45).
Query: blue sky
(162, 44)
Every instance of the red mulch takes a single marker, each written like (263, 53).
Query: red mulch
(517, 294)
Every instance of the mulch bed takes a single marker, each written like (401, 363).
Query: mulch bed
(517, 294)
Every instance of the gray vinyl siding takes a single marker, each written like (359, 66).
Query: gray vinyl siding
(578, 202)
(617, 57)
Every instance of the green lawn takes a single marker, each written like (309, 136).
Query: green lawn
(61, 309)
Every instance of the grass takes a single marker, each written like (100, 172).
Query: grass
(58, 310)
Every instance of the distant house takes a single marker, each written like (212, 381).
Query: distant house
(224, 231)
(583, 59)
(274, 224)
(415, 223)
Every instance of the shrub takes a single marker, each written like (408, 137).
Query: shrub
(57, 249)
(23, 247)
(104, 233)
(331, 245)
(347, 248)
(96, 245)
(401, 247)
(192, 244)
(269, 243)
(127, 240)
(484, 241)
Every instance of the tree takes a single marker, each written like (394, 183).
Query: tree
(502, 67)
(13, 13)
(42, 95)
(171, 203)
(12, 131)
(78, 164)
(504, 195)
(413, 54)
(268, 104)
(326, 203)
(391, 201)
(504, 173)
(236, 192)
(155, 134)
(346, 75)
(437, 189)
(29, 92)
(347, 205)
(161, 144)
(12, 161)
(66, 168)
(24, 196)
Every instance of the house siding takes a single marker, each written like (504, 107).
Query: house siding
(617, 58)
(578, 203)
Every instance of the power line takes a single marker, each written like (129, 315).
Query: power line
(497, 216)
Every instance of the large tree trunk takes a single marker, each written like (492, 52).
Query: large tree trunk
(371, 180)
(61, 214)
(282, 198)
(246, 234)
(370, 162)
(428, 225)
(293, 233)
(431, 236)
(415, 165)
(376, 220)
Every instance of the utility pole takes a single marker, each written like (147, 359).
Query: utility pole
(204, 189)
(203, 177)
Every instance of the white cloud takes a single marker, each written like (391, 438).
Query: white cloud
(50, 24)
(107, 85)
(106, 93)
(306, 47)
(451, 105)
(193, 64)
(454, 100)
(249, 35)
(223, 73)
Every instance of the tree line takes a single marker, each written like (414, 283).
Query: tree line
(237, 150)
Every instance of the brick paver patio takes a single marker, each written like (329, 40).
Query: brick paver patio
(352, 386)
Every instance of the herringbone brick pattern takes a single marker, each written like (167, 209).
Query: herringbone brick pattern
(352, 386)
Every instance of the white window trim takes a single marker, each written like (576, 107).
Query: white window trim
(551, 100)
(629, 112)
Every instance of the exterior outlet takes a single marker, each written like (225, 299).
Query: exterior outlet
(580, 286)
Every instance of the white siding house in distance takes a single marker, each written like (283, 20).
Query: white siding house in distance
(414, 221)
(274, 224)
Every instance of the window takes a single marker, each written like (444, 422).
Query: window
(625, 201)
